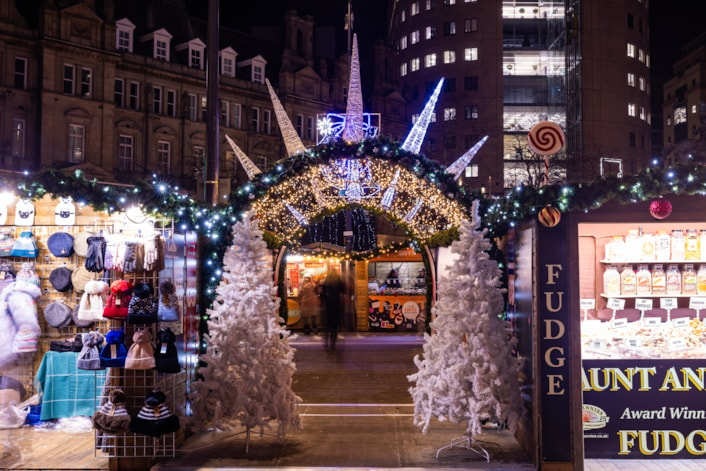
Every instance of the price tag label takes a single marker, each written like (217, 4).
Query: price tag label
(615, 303)
(633, 342)
(681, 322)
(677, 344)
(668, 303)
(651, 322)
(643, 304)
(697, 303)
(588, 303)
(597, 344)
(618, 323)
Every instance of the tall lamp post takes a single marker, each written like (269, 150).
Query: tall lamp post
(213, 160)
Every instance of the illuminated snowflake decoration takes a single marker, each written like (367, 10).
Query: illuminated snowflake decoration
(331, 126)
(352, 178)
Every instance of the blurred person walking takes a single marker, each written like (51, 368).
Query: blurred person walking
(332, 294)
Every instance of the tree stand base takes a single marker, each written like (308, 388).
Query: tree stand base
(465, 442)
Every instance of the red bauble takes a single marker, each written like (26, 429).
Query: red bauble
(549, 216)
(661, 208)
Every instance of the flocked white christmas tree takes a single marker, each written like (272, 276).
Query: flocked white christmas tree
(249, 363)
(468, 373)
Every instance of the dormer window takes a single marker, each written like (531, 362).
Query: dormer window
(256, 67)
(161, 43)
(227, 59)
(195, 53)
(124, 33)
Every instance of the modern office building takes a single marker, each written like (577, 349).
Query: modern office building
(509, 65)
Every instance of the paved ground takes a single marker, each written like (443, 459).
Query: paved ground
(356, 414)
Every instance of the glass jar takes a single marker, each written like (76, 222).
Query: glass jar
(701, 279)
(663, 246)
(611, 281)
(678, 245)
(643, 278)
(673, 280)
(628, 281)
(691, 248)
(659, 279)
(689, 280)
(615, 248)
(632, 247)
(647, 247)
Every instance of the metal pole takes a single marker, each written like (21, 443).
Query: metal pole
(212, 106)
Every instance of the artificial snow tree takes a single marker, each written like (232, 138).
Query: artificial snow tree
(249, 364)
(468, 373)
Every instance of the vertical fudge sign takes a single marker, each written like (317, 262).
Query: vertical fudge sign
(552, 280)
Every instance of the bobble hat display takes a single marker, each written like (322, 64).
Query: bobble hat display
(112, 417)
(143, 305)
(140, 355)
(166, 356)
(155, 419)
(113, 353)
(92, 302)
(118, 300)
(88, 357)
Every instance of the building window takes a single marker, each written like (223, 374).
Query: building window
(310, 128)
(20, 73)
(86, 83)
(403, 43)
(204, 108)
(631, 79)
(119, 93)
(470, 54)
(470, 82)
(450, 85)
(428, 4)
(414, 9)
(157, 100)
(123, 40)
(171, 103)
(430, 60)
(641, 55)
(470, 25)
(193, 111)
(403, 16)
(77, 143)
(258, 75)
(641, 81)
(632, 139)
(225, 113)
(195, 58)
(449, 2)
(470, 112)
(255, 122)
(134, 95)
(267, 121)
(631, 109)
(450, 142)
(228, 62)
(125, 152)
(164, 157)
(237, 124)
(300, 125)
(69, 79)
(631, 50)
(414, 64)
(262, 162)
(403, 69)
(198, 156)
(161, 49)
(449, 114)
(18, 138)
(643, 113)
(472, 171)
(429, 32)
(631, 21)
(414, 37)
(449, 57)
(449, 28)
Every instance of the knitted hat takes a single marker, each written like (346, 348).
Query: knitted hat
(93, 301)
(166, 356)
(112, 417)
(113, 353)
(81, 243)
(140, 356)
(80, 322)
(155, 419)
(60, 279)
(81, 276)
(119, 299)
(61, 244)
(88, 358)
(143, 305)
(57, 314)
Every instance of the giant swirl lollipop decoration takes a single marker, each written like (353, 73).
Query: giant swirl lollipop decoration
(546, 138)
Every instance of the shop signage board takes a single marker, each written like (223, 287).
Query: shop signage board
(552, 276)
(644, 408)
